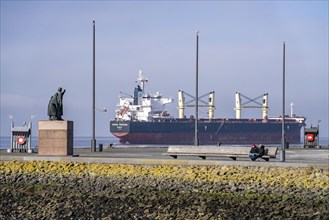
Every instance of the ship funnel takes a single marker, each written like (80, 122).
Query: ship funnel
(237, 105)
(265, 106)
(211, 105)
(138, 95)
(181, 105)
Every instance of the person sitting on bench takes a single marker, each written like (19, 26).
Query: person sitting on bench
(254, 152)
(261, 151)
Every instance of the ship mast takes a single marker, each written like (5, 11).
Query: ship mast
(196, 139)
(142, 79)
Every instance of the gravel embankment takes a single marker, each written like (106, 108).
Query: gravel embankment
(58, 190)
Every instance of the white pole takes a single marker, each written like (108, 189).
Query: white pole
(237, 105)
(211, 105)
(265, 106)
(181, 104)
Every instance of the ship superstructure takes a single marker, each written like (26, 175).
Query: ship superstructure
(142, 106)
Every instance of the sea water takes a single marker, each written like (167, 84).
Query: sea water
(85, 142)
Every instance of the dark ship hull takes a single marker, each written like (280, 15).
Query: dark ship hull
(215, 131)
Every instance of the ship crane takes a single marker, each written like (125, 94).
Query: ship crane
(239, 105)
(182, 104)
(291, 109)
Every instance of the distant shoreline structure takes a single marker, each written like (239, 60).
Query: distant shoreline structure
(84, 142)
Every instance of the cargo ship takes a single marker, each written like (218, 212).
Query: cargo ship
(143, 119)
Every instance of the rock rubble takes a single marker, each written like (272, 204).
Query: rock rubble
(59, 190)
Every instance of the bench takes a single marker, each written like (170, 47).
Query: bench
(216, 151)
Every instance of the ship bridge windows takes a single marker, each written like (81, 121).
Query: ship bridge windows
(148, 97)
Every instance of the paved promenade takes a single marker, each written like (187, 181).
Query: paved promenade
(295, 157)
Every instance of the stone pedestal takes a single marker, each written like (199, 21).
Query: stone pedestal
(55, 138)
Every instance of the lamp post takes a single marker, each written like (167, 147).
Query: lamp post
(11, 117)
(196, 138)
(93, 140)
(283, 140)
(319, 146)
(30, 137)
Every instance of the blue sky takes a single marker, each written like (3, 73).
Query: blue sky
(47, 44)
